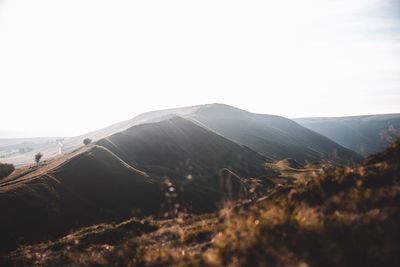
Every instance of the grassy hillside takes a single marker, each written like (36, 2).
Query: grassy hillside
(331, 216)
(89, 186)
(194, 159)
(154, 169)
(363, 134)
(177, 141)
(273, 136)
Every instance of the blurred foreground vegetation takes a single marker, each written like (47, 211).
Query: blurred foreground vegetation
(329, 216)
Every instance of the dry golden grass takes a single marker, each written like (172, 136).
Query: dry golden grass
(338, 216)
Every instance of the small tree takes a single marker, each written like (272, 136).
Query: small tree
(38, 157)
(87, 141)
(6, 169)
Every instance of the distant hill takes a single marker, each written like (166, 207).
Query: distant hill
(149, 169)
(272, 136)
(363, 134)
(19, 151)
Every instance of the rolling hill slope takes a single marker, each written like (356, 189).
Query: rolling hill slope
(149, 169)
(273, 136)
(332, 216)
(92, 185)
(184, 153)
(363, 134)
(177, 141)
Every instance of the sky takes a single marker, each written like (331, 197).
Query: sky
(72, 66)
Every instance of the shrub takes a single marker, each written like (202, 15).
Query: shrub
(87, 141)
(38, 157)
(6, 169)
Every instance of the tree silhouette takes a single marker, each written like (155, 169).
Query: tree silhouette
(87, 141)
(38, 157)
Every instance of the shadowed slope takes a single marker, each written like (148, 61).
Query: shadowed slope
(272, 136)
(91, 186)
(149, 168)
(190, 157)
(177, 141)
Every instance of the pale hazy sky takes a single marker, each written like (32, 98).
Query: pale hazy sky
(72, 66)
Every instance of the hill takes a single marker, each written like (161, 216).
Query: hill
(272, 136)
(85, 187)
(151, 169)
(20, 151)
(186, 154)
(332, 216)
(173, 142)
(363, 134)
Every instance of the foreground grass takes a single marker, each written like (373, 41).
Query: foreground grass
(340, 216)
(343, 217)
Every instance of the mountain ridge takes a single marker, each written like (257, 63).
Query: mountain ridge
(366, 134)
(276, 138)
(271, 135)
(149, 169)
